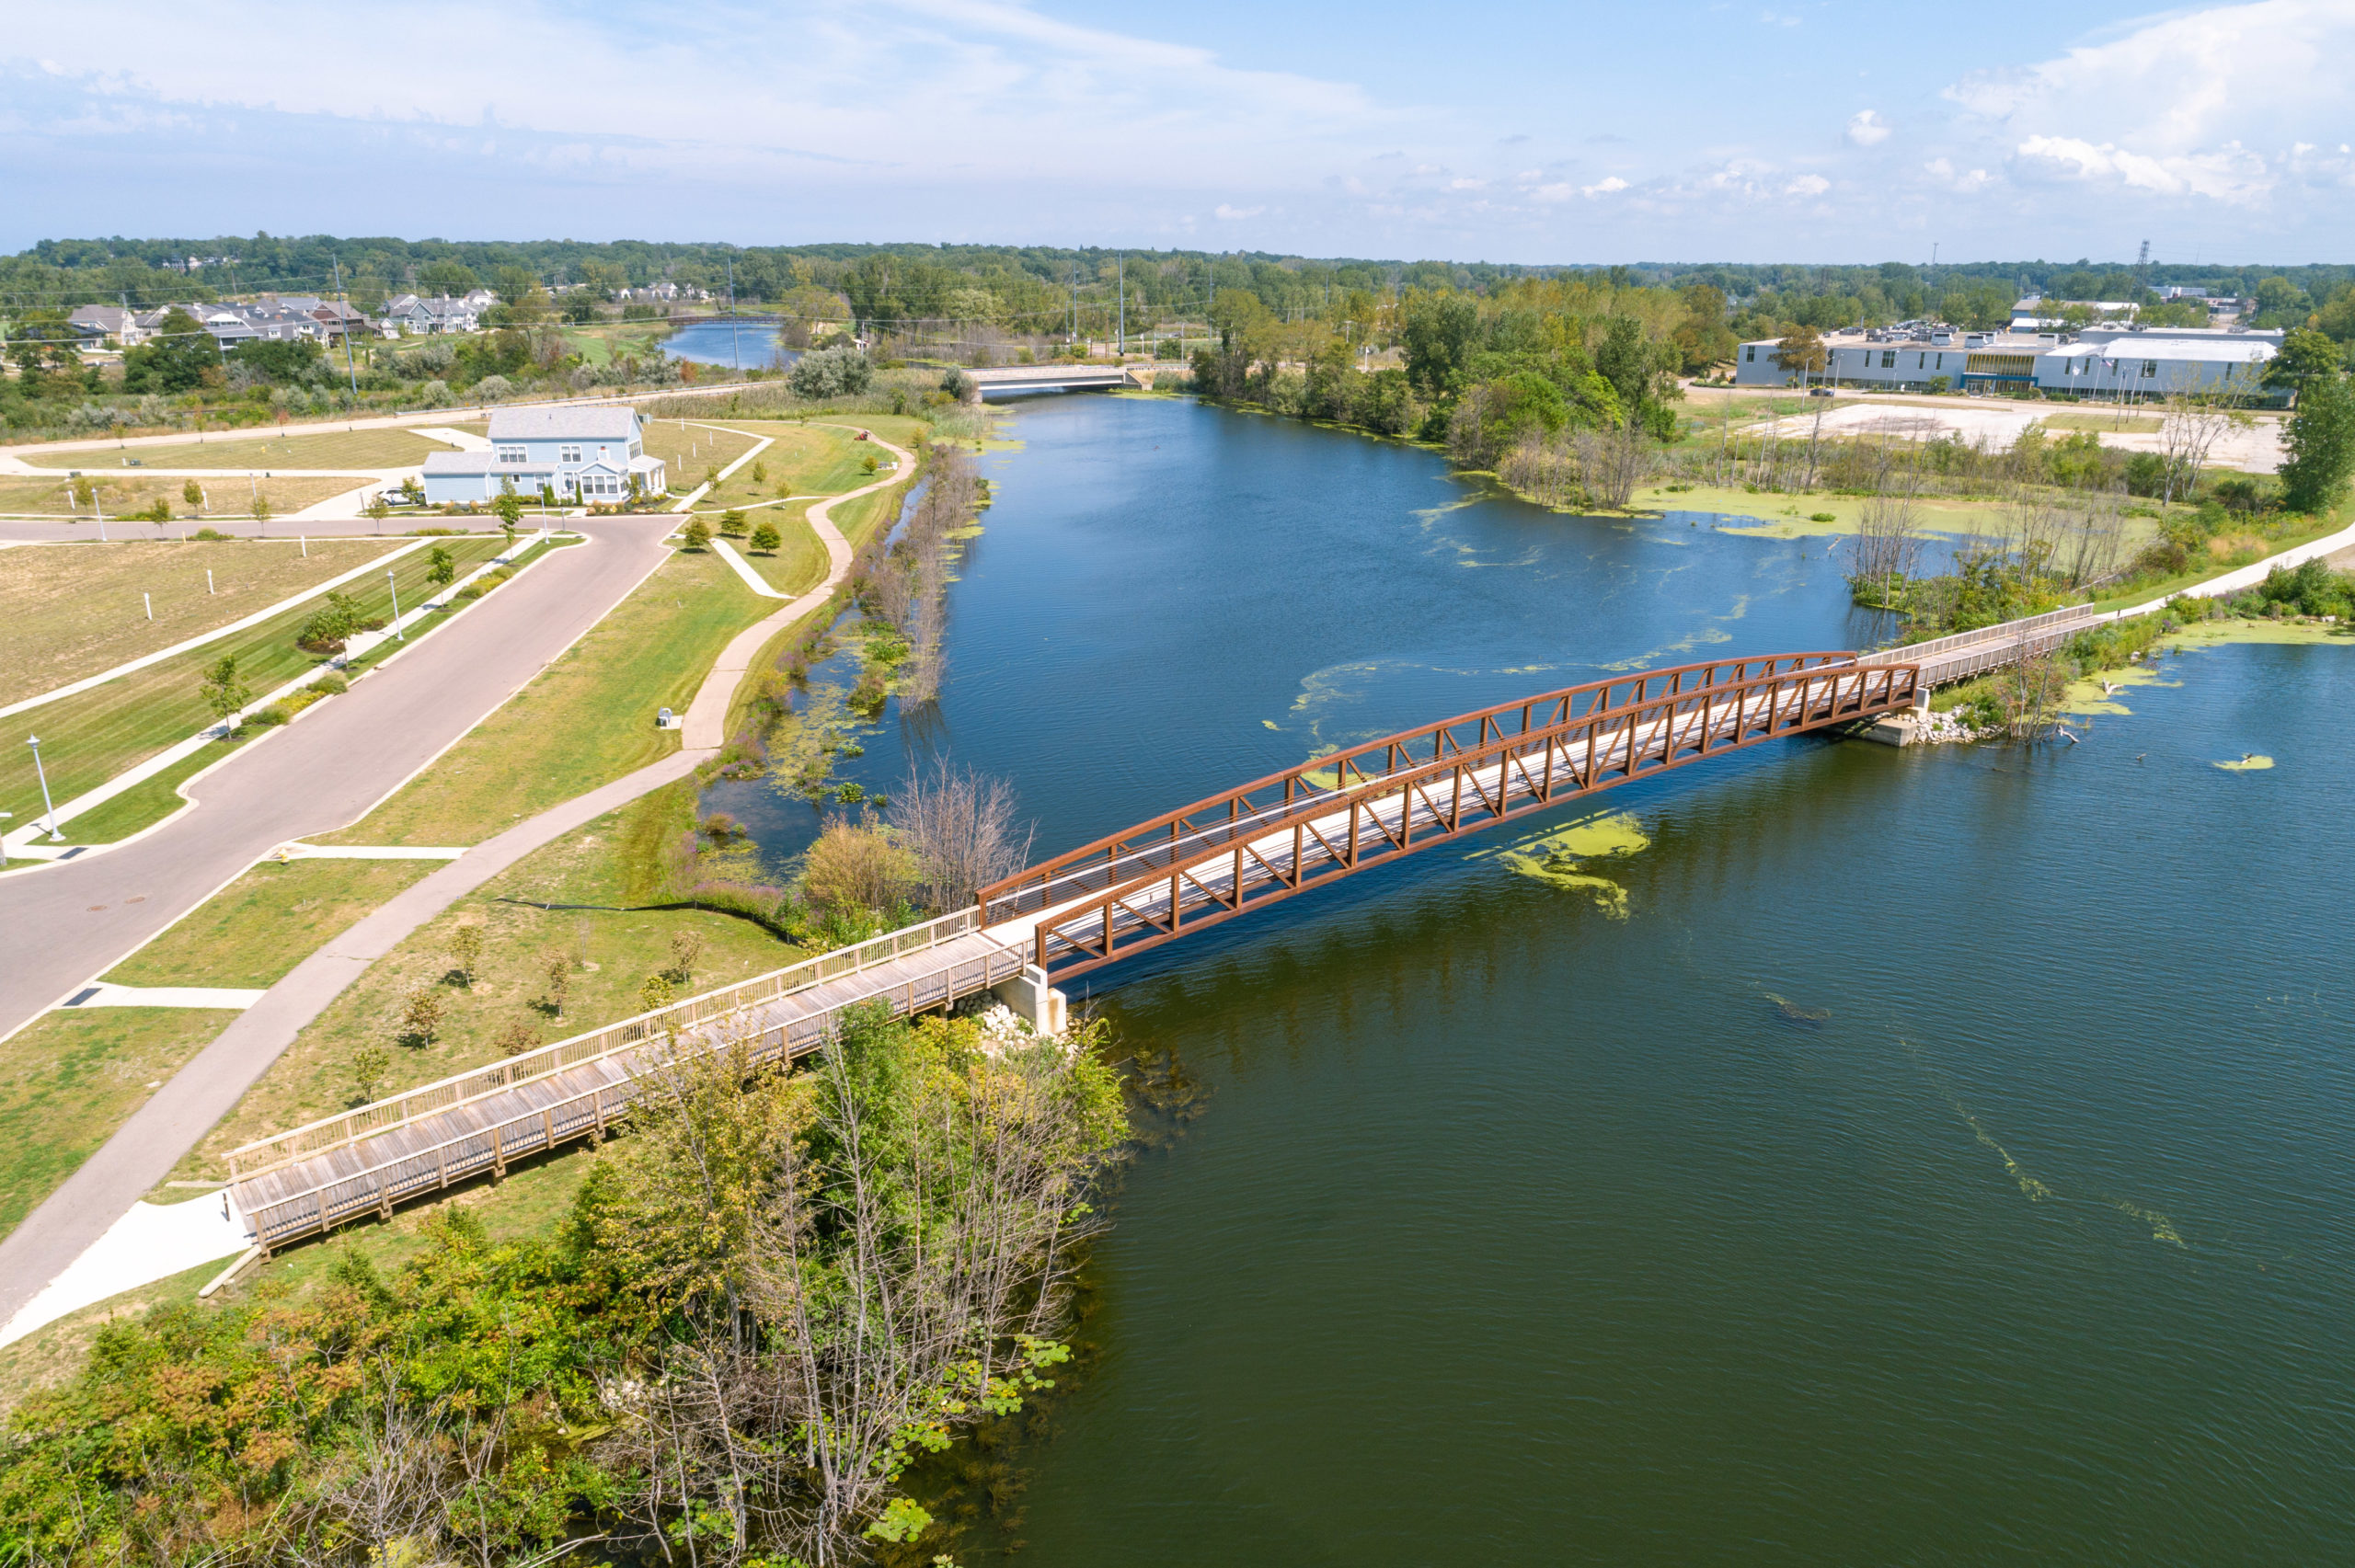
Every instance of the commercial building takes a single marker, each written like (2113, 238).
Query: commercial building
(2099, 361)
(586, 454)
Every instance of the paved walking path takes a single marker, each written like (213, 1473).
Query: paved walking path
(174, 1118)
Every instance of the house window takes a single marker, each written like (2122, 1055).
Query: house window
(2150, 369)
(510, 454)
(1889, 359)
(570, 454)
(1749, 354)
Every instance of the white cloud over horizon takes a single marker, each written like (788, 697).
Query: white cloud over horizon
(1004, 119)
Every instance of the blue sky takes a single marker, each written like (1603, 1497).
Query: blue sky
(1823, 130)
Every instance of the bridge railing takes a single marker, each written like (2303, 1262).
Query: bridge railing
(1212, 876)
(1220, 819)
(381, 1115)
(1942, 657)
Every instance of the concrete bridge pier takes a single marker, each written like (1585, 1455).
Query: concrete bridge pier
(1046, 1009)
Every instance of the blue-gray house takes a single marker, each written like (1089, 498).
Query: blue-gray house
(585, 454)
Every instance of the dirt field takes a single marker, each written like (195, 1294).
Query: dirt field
(70, 611)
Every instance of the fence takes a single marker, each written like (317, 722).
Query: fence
(381, 1115)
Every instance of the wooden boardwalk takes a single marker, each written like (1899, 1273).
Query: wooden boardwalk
(369, 1171)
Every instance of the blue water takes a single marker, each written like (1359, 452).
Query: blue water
(753, 347)
(1522, 1226)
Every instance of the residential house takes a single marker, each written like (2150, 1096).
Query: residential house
(588, 454)
(106, 323)
(417, 316)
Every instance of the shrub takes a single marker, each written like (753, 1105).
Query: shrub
(331, 685)
(210, 535)
(831, 372)
(857, 868)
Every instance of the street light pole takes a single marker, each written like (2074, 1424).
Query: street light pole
(47, 808)
(399, 636)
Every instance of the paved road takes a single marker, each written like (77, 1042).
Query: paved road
(62, 924)
(144, 1150)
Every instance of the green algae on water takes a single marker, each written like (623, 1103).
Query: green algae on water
(1561, 857)
(2251, 763)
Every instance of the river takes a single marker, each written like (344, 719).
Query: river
(1928, 1156)
(751, 345)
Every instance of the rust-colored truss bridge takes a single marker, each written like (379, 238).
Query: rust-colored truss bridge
(1372, 804)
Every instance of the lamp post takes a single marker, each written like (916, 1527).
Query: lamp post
(43, 774)
(399, 636)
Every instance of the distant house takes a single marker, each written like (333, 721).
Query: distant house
(586, 454)
(417, 316)
(338, 321)
(106, 323)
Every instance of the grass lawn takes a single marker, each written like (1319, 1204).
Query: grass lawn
(806, 460)
(69, 1079)
(2219, 560)
(585, 720)
(535, 1194)
(691, 451)
(295, 448)
(72, 611)
(798, 563)
(607, 956)
(149, 801)
(90, 738)
(228, 500)
(603, 344)
(251, 933)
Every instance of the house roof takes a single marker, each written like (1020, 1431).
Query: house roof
(106, 318)
(607, 423)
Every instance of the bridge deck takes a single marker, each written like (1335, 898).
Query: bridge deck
(426, 1154)
(1109, 908)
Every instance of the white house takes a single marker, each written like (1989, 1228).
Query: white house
(410, 314)
(586, 454)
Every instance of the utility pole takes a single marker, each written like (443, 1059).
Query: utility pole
(344, 321)
(735, 333)
(1122, 274)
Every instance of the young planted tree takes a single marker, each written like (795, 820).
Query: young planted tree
(556, 969)
(731, 524)
(442, 568)
(696, 535)
(421, 1017)
(686, 947)
(371, 1067)
(509, 510)
(224, 693)
(766, 539)
(465, 953)
(192, 494)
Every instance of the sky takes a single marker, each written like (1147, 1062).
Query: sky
(1807, 130)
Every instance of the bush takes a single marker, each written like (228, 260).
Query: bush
(331, 685)
(831, 372)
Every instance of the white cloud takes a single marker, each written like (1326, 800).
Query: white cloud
(1604, 187)
(1233, 213)
(1963, 183)
(2203, 103)
(1808, 185)
(1867, 129)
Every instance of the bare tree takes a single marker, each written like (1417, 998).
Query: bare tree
(2092, 536)
(1888, 548)
(961, 827)
(1613, 463)
(2194, 419)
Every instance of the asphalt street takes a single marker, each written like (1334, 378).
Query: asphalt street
(71, 920)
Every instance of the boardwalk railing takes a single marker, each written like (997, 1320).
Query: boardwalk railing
(1395, 797)
(1965, 654)
(460, 1141)
(381, 1115)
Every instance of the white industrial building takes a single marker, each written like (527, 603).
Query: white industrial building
(2099, 361)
